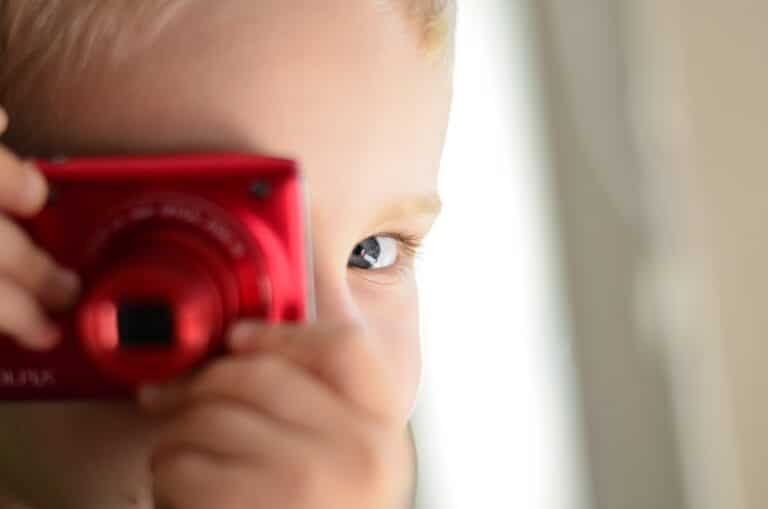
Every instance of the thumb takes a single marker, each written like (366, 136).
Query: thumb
(344, 356)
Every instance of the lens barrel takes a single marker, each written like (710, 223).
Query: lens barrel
(156, 306)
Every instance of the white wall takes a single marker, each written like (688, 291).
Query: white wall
(496, 422)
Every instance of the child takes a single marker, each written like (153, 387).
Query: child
(297, 416)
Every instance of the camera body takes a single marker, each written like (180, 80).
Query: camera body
(171, 250)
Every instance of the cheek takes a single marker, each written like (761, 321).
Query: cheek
(392, 315)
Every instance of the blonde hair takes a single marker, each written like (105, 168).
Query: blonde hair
(42, 41)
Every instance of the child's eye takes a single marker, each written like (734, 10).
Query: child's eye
(373, 253)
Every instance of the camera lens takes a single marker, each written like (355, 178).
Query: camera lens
(144, 324)
(162, 291)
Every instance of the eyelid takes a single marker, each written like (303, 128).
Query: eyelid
(409, 250)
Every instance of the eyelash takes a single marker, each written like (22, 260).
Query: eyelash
(410, 245)
(409, 249)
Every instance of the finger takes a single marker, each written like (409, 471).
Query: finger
(22, 318)
(23, 188)
(189, 479)
(254, 335)
(266, 383)
(343, 356)
(227, 430)
(34, 269)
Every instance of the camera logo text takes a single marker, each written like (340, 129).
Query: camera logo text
(26, 377)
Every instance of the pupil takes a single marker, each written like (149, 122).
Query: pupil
(366, 253)
(371, 248)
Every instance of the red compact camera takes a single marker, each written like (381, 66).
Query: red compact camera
(170, 250)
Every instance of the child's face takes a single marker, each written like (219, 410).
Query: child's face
(345, 90)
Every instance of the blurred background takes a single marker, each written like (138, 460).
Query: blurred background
(592, 295)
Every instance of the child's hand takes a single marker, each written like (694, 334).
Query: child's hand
(30, 280)
(301, 417)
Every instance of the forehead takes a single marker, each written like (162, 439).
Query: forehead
(344, 88)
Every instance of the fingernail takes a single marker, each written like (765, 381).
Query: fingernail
(242, 334)
(68, 282)
(35, 186)
(47, 338)
(156, 396)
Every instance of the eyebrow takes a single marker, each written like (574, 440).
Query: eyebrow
(423, 205)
